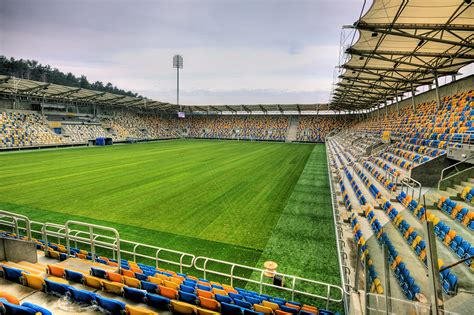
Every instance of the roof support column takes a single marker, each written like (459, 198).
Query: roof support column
(396, 100)
(413, 98)
(437, 90)
(386, 106)
(378, 110)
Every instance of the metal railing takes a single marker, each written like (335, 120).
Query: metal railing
(344, 270)
(454, 166)
(15, 217)
(66, 234)
(411, 185)
(201, 264)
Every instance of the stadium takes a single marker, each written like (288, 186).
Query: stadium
(113, 202)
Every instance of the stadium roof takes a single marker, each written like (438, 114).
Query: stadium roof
(54, 93)
(404, 44)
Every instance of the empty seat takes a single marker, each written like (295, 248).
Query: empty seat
(134, 294)
(133, 310)
(110, 305)
(209, 304)
(158, 301)
(182, 307)
(82, 296)
(74, 276)
(33, 281)
(230, 309)
(55, 288)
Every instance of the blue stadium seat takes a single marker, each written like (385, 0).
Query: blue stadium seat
(133, 294)
(158, 301)
(230, 309)
(110, 305)
(81, 296)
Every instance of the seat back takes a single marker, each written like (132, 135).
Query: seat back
(110, 305)
(34, 281)
(134, 294)
(209, 304)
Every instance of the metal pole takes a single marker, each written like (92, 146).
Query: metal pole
(356, 280)
(412, 97)
(386, 106)
(367, 285)
(177, 88)
(386, 274)
(433, 269)
(396, 100)
(437, 90)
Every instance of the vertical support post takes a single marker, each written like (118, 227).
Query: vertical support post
(412, 97)
(356, 279)
(437, 90)
(386, 106)
(386, 273)
(177, 88)
(367, 285)
(433, 269)
(378, 111)
(91, 239)
(396, 100)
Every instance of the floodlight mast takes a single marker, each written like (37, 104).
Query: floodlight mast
(178, 64)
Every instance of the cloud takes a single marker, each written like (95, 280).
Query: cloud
(234, 51)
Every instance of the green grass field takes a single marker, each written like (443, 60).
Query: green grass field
(244, 202)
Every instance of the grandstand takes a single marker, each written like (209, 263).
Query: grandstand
(363, 205)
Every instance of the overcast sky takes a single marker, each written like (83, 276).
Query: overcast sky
(235, 52)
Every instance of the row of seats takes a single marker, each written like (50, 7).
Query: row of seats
(433, 152)
(10, 304)
(374, 191)
(456, 211)
(32, 277)
(410, 156)
(137, 278)
(345, 196)
(412, 238)
(462, 248)
(401, 272)
(467, 193)
(374, 280)
(360, 196)
(398, 161)
(385, 166)
(387, 183)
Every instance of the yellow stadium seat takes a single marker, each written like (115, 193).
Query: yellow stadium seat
(183, 308)
(34, 281)
(133, 310)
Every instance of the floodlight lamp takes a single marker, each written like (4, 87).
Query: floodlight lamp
(178, 61)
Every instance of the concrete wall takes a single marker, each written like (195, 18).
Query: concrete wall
(429, 173)
(18, 250)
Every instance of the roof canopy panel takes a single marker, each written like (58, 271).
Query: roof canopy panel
(403, 44)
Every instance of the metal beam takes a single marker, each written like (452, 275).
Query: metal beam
(354, 51)
(392, 30)
(90, 97)
(66, 93)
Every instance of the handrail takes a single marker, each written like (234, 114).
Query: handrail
(91, 232)
(114, 243)
(342, 266)
(185, 259)
(261, 283)
(451, 166)
(15, 218)
(413, 184)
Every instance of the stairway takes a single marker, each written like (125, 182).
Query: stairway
(292, 129)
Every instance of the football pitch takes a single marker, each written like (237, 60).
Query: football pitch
(244, 202)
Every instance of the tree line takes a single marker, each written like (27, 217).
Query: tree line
(33, 70)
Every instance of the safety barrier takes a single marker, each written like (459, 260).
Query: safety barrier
(66, 234)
